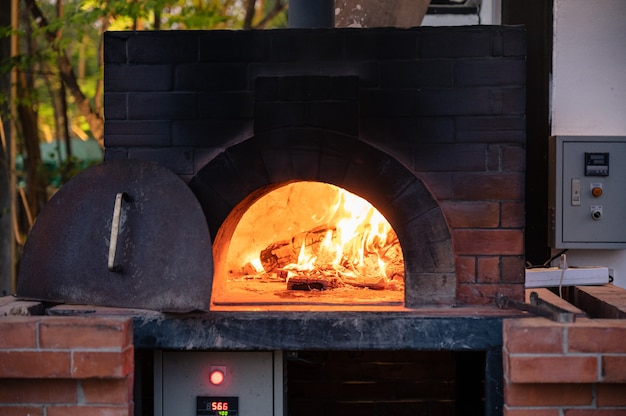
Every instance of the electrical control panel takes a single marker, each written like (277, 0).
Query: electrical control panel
(587, 194)
(218, 383)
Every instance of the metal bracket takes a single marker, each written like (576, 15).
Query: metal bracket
(538, 307)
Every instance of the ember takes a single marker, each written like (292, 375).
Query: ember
(312, 236)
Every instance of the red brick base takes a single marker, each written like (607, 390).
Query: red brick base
(57, 366)
(66, 366)
(554, 369)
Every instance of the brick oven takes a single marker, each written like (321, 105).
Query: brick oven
(426, 124)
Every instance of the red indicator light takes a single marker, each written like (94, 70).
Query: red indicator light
(217, 376)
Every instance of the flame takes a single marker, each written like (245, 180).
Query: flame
(306, 260)
(357, 244)
(256, 263)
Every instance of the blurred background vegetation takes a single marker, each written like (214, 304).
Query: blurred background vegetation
(51, 90)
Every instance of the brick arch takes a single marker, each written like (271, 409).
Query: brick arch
(236, 178)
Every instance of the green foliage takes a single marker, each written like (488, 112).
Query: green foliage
(57, 174)
(77, 34)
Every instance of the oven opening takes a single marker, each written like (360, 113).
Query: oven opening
(307, 243)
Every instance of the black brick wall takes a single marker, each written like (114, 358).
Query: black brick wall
(194, 92)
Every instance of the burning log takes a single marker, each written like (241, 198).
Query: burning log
(331, 279)
(283, 258)
(281, 253)
(318, 280)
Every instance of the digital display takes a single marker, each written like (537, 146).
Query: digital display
(596, 164)
(217, 406)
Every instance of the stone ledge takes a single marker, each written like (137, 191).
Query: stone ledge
(455, 329)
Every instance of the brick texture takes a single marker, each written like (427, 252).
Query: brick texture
(22, 410)
(80, 410)
(17, 364)
(594, 412)
(611, 395)
(488, 269)
(66, 366)
(447, 103)
(472, 214)
(531, 412)
(574, 369)
(78, 333)
(553, 369)
(38, 390)
(538, 395)
(486, 242)
(614, 368)
(17, 333)
(107, 391)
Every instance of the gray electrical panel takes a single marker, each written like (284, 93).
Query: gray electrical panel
(218, 383)
(587, 194)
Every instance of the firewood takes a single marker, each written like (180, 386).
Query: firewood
(317, 280)
(281, 253)
(281, 257)
(333, 278)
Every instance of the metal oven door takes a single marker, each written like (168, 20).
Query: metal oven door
(125, 233)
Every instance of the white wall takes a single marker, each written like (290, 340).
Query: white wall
(589, 89)
(589, 69)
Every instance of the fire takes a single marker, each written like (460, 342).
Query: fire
(354, 247)
(307, 243)
(308, 236)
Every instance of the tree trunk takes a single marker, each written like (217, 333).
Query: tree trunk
(249, 18)
(250, 11)
(94, 119)
(63, 132)
(35, 184)
(7, 194)
(97, 99)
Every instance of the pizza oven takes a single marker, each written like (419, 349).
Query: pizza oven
(317, 192)
(432, 139)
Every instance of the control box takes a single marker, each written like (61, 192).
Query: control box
(217, 383)
(587, 192)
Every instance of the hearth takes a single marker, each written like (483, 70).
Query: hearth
(428, 276)
(309, 243)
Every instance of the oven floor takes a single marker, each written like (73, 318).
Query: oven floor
(248, 292)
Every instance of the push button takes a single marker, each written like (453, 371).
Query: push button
(596, 190)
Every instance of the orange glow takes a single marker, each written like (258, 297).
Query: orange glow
(357, 244)
(309, 243)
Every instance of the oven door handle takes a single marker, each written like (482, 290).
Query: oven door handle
(115, 230)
